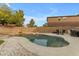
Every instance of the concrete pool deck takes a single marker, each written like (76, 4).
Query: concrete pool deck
(22, 46)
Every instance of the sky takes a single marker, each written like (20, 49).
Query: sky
(40, 11)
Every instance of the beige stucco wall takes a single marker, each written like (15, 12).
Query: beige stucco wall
(65, 21)
(17, 30)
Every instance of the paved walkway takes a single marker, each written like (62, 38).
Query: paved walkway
(19, 46)
(13, 47)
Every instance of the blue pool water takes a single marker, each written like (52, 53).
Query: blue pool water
(48, 41)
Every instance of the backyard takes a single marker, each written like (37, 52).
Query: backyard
(21, 35)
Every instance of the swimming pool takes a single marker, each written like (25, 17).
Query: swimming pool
(48, 41)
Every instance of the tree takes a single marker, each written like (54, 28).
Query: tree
(45, 25)
(12, 20)
(5, 13)
(5, 7)
(31, 23)
(19, 16)
(8, 16)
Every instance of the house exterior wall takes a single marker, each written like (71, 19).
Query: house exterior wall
(64, 21)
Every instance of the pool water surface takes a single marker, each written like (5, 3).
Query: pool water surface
(48, 41)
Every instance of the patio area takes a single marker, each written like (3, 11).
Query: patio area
(21, 46)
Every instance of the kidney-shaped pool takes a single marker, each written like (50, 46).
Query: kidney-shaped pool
(48, 41)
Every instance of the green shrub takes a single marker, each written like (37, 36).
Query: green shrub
(1, 41)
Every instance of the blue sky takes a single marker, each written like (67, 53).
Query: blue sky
(40, 11)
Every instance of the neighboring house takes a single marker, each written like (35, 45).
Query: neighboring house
(64, 23)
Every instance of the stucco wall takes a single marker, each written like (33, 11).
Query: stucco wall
(17, 30)
(72, 21)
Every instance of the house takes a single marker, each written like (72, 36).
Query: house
(64, 23)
